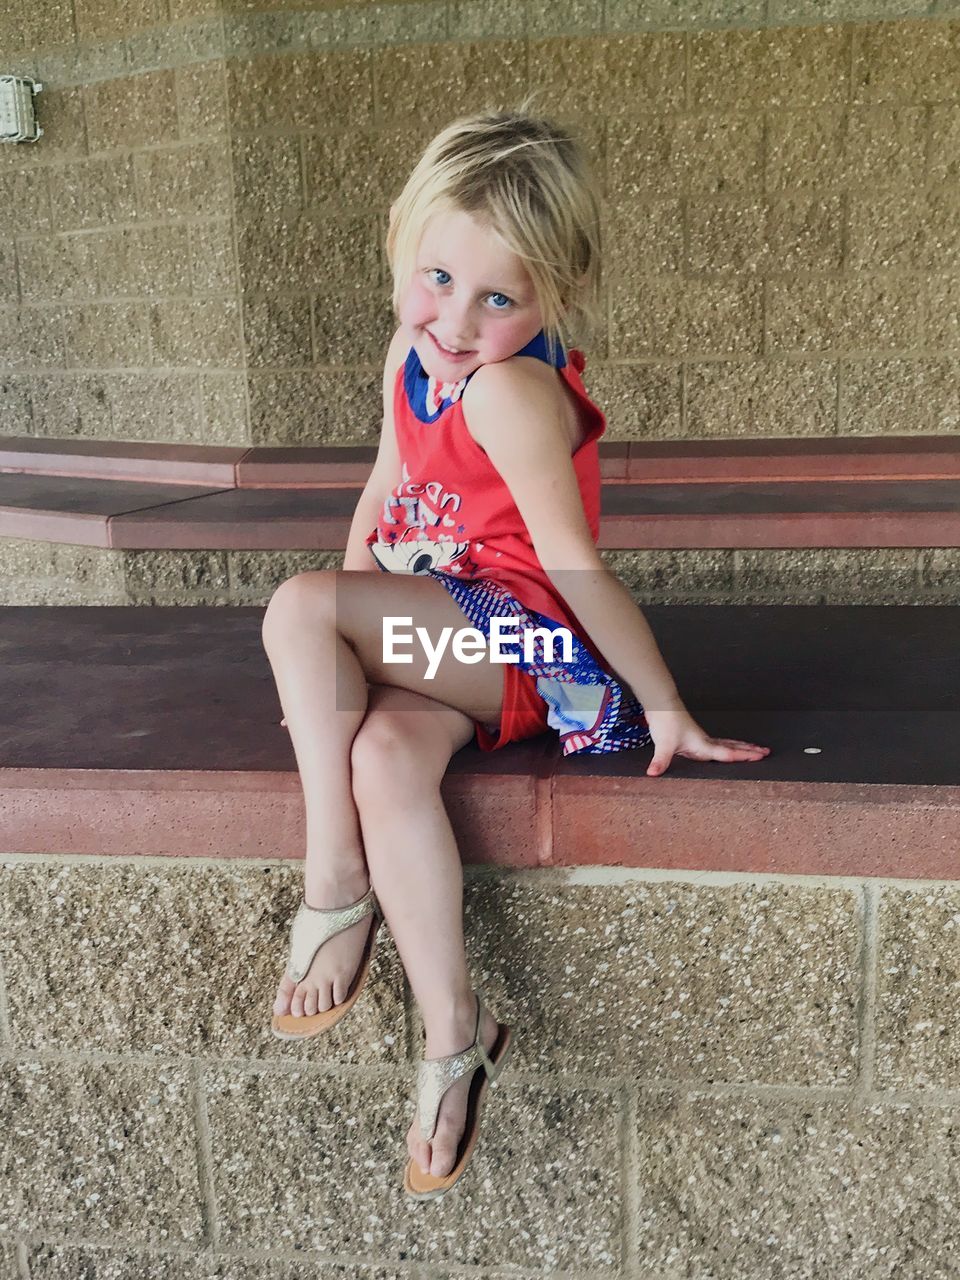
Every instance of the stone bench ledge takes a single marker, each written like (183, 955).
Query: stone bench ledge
(128, 515)
(155, 732)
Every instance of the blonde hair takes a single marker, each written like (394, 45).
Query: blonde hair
(529, 181)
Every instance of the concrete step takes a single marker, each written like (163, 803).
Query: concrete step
(142, 515)
(903, 492)
(648, 461)
(155, 731)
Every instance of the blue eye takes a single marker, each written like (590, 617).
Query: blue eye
(440, 271)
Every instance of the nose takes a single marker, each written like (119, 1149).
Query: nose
(455, 317)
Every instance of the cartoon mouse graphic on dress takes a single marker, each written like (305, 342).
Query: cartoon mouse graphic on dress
(414, 508)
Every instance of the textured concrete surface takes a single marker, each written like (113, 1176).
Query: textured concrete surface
(92, 1143)
(784, 1186)
(667, 981)
(45, 573)
(551, 1154)
(732, 984)
(58, 1262)
(778, 197)
(9, 1265)
(919, 989)
(720, 1076)
(121, 936)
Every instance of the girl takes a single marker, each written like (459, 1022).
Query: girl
(483, 503)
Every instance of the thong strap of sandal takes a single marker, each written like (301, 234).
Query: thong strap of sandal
(313, 926)
(436, 1075)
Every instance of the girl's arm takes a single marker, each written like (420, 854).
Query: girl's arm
(514, 414)
(386, 469)
(357, 555)
(622, 634)
(618, 628)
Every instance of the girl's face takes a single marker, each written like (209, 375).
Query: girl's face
(467, 292)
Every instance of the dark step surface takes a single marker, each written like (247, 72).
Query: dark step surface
(129, 514)
(876, 688)
(155, 732)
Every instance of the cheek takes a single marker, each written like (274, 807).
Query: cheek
(417, 305)
(507, 336)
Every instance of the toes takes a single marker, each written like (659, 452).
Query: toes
(314, 999)
(438, 1156)
(282, 1003)
(341, 988)
(443, 1150)
(418, 1149)
(414, 1150)
(296, 1002)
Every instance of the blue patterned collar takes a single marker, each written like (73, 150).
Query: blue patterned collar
(428, 397)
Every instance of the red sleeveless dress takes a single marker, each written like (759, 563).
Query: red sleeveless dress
(453, 517)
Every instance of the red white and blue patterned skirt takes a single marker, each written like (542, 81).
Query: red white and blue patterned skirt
(587, 706)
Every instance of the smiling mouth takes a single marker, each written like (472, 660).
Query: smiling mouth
(447, 351)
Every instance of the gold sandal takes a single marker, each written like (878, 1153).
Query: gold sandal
(312, 927)
(434, 1078)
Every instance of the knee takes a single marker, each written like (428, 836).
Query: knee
(385, 764)
(299, 599)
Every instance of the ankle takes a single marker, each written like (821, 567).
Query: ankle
(335, 890)
(450, 1026)
(329, 861)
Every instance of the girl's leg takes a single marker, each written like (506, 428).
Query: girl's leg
(323, 693)
(323, 635)
(399, 757)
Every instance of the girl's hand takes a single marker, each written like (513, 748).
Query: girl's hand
(676, 733)
(283, 722)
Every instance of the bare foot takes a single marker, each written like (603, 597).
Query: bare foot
(330, 976)
(438, 1156)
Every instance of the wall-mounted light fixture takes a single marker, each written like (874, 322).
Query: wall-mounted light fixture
(18, 119)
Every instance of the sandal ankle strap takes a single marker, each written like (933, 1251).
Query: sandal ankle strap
(436, 1075)
(313, 926)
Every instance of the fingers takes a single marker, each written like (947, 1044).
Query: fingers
(723, 749)
(728, 749)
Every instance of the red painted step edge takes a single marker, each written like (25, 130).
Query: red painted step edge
(323, 466)
(824, 829)
(122, 460)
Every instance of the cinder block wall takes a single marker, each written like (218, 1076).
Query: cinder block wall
(741, 1078)
(45, 573)
(717, 1076)
(194, 251)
